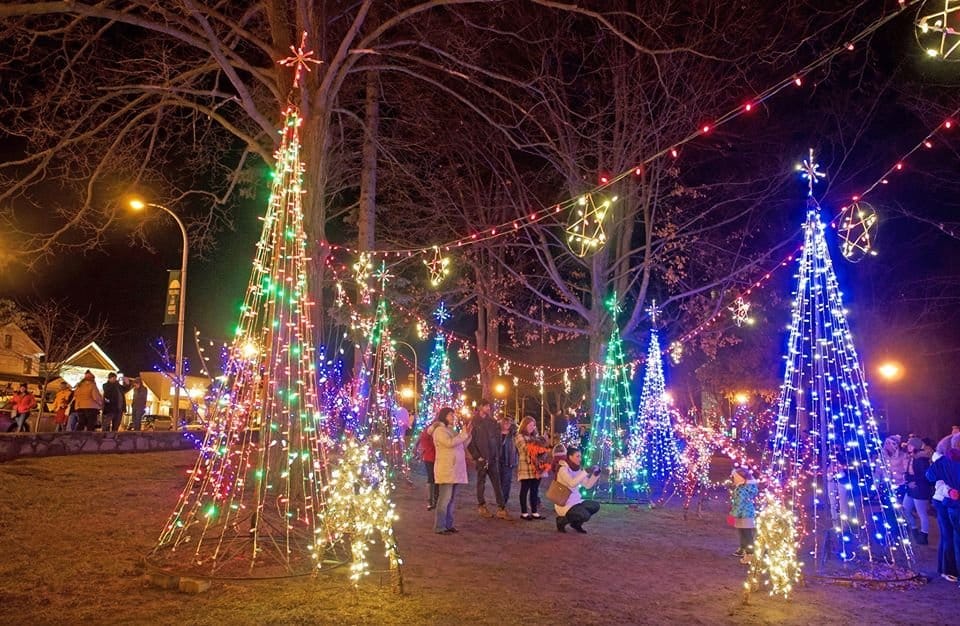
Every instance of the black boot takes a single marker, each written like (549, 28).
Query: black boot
(922, 538)
(561, 524)
(578, 528)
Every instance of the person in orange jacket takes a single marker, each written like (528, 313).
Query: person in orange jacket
(23, 403)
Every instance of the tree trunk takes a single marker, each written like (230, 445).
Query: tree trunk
(367, 218)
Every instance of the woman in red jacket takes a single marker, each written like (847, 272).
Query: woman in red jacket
(428, 452)
(23, 403)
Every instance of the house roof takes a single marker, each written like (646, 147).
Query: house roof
(91, 356)
(10, 327)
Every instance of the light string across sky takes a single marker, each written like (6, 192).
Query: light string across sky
(747, 105)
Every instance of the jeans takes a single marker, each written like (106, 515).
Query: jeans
(445, 505)
(953, 515)
(746, 539)
(22, 425)
(922, 507)
(490, 469)
(530, 487)
(581, 513)
(87, 419)
(137, 419)
(946, 553)
(506, 481)
(72, 420)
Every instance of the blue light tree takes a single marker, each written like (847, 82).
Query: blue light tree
(826, 446)
(654, 440)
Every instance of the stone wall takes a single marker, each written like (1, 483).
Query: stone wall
(13, 446)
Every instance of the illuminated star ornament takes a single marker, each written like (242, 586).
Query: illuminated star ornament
(438, 266)
(585, 234)
(939, 32)
(858, 231)
(300, 59)
(383, 275)
(654, 312)
(676, 352)
(810, 172)
(740, 311)
(442, 314)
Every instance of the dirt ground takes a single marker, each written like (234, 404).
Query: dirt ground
(72, 530)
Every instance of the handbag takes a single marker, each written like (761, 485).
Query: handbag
(558, 493)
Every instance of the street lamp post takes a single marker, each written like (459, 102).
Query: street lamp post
(138, 205)
(416, 370)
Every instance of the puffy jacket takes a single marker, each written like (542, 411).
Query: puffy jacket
(428, 450)
(572, 480)
(742, 501)
(62, 399)
(24, 402)
(947, 469)
(450, 466)
(114, 398)
(87, 396)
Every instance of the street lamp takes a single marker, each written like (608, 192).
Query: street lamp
(890, 371)
(138, 204)
(416, 370)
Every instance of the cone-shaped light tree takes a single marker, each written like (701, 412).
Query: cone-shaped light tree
(826, 450)
(253, 503)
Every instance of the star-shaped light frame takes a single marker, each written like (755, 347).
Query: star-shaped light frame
(939, 32)
(300, 59)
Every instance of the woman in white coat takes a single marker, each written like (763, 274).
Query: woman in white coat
(450, 467)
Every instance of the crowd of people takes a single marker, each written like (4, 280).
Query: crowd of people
(501, 452)
(85, 407)
(923, 472)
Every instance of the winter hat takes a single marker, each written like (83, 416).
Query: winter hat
(916, 443)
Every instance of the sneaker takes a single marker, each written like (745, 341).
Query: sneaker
(483, 511)
(537, 516)
(949, 577)
(740, 552)
(578, 528)
(502, 514)
(452, 530)
(430, 507)
(526, 517)
(561, 524)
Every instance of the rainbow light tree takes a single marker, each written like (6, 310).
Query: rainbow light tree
(253, 504)
(654, 440)
(826, 448)
(437, 387)
(614, 416)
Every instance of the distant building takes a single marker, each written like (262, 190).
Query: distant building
(19, 359)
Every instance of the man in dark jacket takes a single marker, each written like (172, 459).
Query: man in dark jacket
(485, 450)
(114, 403)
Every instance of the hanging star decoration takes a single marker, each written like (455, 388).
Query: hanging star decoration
(300, 59)
(810, 172)
(857, 231)
(939, 32)
(439, 267)
(676, 352)
(422, 330)
(442, 314)
(585, 234)
(463, 351)
(740, 311)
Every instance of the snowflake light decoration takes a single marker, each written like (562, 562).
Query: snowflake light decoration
(463, 351)
(442, 314)
(300, 59)
(810, 172)
(740, 311)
